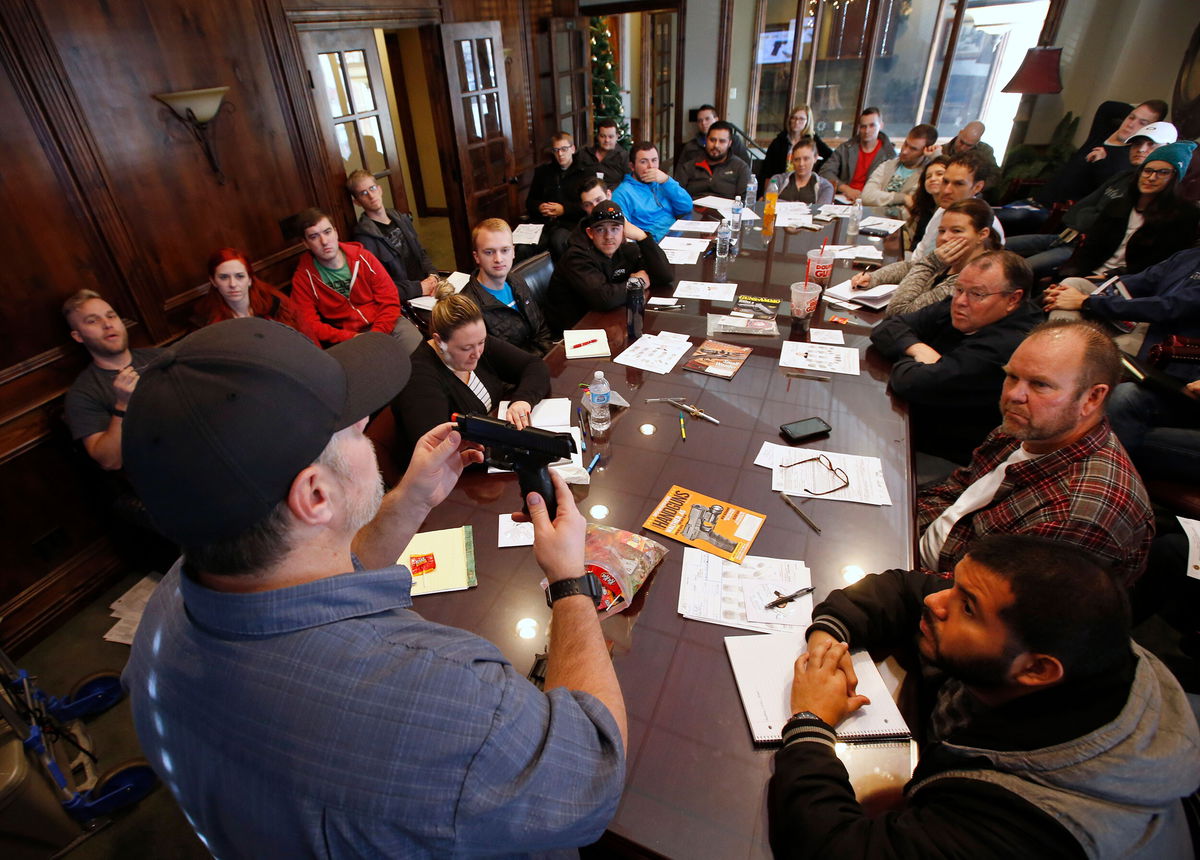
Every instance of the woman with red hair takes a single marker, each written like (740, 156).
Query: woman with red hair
(236, 292)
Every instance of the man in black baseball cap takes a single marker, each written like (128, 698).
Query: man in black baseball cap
(281, 684)
(593, 276)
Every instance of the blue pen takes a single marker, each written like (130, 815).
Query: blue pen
(582, 431)
(592, 464)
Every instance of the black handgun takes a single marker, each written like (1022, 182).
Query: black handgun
(527, 452)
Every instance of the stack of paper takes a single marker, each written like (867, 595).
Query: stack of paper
(875, 298)
(718, 591)
(442, 560)
(725, 206)
(128, 609)
(683, 251)
(814, 479)
(657, 353)
(819, 356)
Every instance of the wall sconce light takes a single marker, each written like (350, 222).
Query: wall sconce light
(197, 109)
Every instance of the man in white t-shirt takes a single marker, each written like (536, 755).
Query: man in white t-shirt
(1053, 468)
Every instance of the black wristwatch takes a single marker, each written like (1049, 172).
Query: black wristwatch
(588, 584)
(802, 715)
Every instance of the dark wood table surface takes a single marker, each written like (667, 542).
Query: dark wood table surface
(696, 784)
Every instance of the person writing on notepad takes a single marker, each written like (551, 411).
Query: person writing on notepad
(1045, 731)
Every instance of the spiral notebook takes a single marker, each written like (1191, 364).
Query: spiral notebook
(762, 667)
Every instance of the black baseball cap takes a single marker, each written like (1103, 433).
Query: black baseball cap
(605, 210)
(218, 428)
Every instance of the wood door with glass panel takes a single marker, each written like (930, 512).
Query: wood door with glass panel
(658, 51)
(348, 90)
(478, 96)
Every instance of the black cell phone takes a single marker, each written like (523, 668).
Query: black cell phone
(805, 429)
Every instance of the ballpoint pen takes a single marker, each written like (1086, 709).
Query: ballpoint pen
(793, 374)
(795, 507)
(582, 430)
(782, 600)
(584, 343)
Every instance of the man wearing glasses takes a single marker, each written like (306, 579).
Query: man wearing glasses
(949, 357)
(554, 194)
(1053, 468)
(391, 237)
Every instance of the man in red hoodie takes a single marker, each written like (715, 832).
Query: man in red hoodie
(340, 289)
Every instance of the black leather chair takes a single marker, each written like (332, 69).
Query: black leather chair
(535, 273)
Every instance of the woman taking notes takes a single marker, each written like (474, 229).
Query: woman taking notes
(460, 369)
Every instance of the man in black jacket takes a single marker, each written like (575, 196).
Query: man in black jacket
(594, 276)
(509, 311)
(949, 357)
(1044, 730)
(607, 160)
(391, 237)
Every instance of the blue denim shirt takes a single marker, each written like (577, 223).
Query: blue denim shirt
(330, 720)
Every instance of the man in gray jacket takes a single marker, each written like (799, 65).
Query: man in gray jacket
(391, 237)
(1045, 731)
(852, 162)
(893, 183)
(717, 171)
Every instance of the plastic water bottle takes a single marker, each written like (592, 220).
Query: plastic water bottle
(736, 221)
(635, 308)
(723, 233)
(600, 419)
(751, 191)
(855, 220)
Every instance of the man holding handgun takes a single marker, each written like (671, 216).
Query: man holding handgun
(281, 682)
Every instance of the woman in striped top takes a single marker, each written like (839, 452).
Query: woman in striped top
(460, 369)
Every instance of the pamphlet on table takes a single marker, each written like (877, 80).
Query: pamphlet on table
(725, 206)
(706, 523)
(442, 560)
(758, 307)
(684, 226)
(763, 669)
(728, 324)
(718, 359)
(719, 591)
(819, 356)
(826, 335)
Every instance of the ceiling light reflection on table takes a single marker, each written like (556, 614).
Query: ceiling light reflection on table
(647, 429)
(852, 573)
(527, 628)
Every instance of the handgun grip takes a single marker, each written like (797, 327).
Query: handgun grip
(538, 481)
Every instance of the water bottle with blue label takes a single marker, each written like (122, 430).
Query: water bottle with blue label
(600, 419)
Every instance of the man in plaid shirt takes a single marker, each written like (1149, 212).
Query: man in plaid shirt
(1053, 468)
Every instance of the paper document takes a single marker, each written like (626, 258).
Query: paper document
(811, 479)
(684, 243)
(878, 222)
(527, 234)
(763, 669)
(826, 335)
(695, 226)
(458, 280)
(654, 353)
(714, 590)
(705, 290)
(682, 256)
(873, 297)
(442, 560)
(1192, 529)
(660, 301)
(835, 210)
(512, 533)
(858, 252)
(819, 356)
(128, 609)
(725, 206)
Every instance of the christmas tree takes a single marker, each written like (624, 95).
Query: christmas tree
(606, 92)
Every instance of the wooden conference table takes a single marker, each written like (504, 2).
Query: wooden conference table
(696, 784)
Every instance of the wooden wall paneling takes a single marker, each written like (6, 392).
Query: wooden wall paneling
(175, 213)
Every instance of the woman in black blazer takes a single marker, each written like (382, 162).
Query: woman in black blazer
(461, 369)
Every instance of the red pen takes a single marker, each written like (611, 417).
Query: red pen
(585, 343)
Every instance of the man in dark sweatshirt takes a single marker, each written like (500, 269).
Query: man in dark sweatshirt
(949, 357)
(594, 276)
